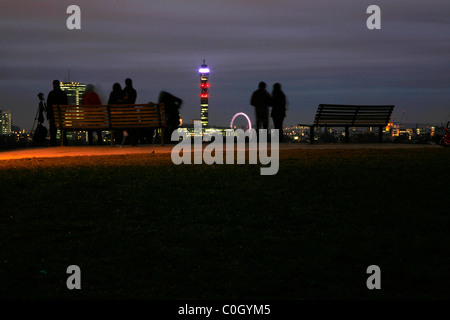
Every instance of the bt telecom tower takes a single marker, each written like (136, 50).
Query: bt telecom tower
(204, 94)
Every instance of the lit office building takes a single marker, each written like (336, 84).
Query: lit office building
(6, 119)
(204, 94)
(74, 91)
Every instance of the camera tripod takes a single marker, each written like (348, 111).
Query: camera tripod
(39, 117)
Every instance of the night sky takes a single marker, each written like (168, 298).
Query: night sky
(319, 50)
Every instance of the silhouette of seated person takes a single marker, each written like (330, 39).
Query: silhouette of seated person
(130, 96)
(117, 96)
(90, 97)
(55, 97)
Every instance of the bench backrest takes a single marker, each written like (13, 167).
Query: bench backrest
(137, 116)
(353, 115)
(107, 117)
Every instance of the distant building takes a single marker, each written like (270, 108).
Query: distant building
(6, 122)
(204, 93)
(74, 91)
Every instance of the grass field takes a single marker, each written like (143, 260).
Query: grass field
(140, 227)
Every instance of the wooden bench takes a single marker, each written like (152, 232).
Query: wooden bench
(109, 117)
(336, 115)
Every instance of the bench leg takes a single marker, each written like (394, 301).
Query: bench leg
(162, 136)
(380, 134)
(347, 135)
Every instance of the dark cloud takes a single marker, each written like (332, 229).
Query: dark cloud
(321, 51)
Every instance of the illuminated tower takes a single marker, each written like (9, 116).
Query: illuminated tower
(204, 93)
(5, 122)
(74, 91)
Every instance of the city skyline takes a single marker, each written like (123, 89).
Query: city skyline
(320, 51)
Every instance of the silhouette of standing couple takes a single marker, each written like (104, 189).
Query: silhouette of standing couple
(261, 99)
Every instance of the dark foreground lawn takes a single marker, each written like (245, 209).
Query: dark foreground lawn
(140, 227)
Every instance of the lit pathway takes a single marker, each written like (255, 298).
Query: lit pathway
(48, 152)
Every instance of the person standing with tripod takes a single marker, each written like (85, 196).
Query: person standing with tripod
(55, 97)
(40, 134)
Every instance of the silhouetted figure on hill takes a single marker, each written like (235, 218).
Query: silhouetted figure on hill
(39, 135)
(260, 99)
(130, 96)
(278, 103)
(117, 96)
(90, 97)
(55, 97)
(130, 93)
(172, 105)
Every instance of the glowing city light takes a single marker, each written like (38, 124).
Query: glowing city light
(241, 114)
(203, 70)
